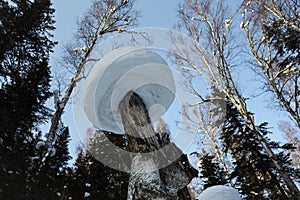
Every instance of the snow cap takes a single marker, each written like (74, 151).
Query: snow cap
(220, 192)
(119, 72)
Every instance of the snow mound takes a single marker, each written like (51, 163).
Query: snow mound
(119, 72)
(219, 192)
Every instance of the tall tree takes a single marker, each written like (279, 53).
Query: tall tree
(25, 40)
(103, 18)
(210, 24)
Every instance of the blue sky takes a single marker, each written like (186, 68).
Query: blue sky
(154, 13)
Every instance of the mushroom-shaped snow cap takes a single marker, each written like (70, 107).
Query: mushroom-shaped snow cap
(119, 72)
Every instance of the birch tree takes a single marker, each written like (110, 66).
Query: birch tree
(103, 18)
(211, 140)
(212, 56)
(272, 29)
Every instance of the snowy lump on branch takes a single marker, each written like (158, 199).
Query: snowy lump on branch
(119, 72)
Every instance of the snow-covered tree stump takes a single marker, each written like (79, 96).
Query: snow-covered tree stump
(147, 181)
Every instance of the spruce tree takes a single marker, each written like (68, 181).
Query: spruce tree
(253, 172)
(25, 45)
(94, 180)
(211, 172)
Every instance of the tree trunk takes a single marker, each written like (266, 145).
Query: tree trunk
(148, 180)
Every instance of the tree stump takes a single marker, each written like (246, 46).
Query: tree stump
(146, 180)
